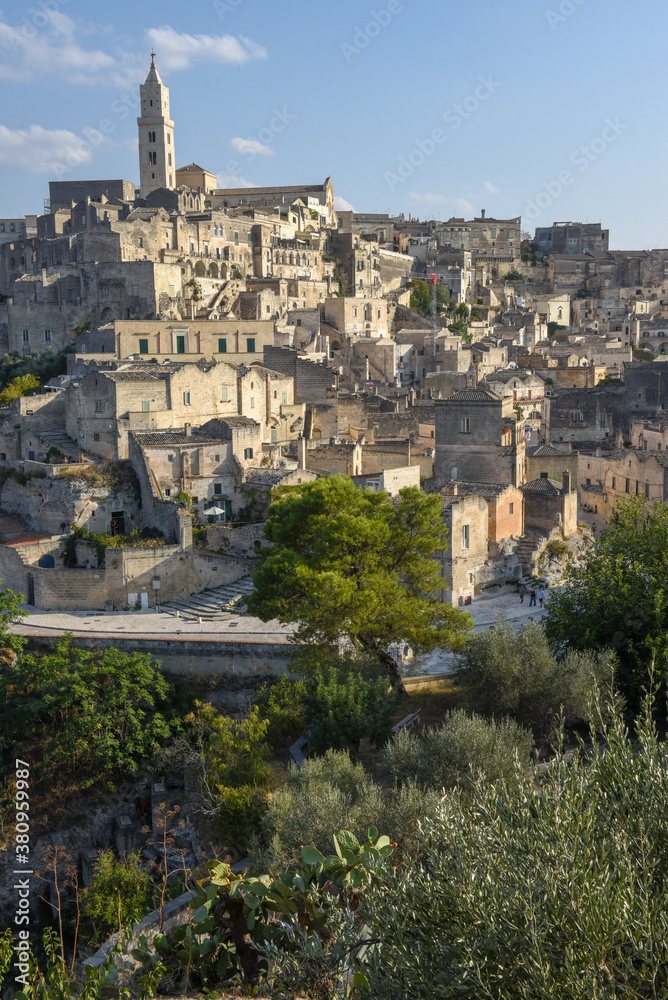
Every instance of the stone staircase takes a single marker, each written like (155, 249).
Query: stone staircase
(217, 604)
(530, 546)
(59, 439)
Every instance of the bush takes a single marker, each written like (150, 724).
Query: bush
(234, 765)
(514, 673)
(464, 745)
(326, 794)
(22, 385)
(331, 791)
(343, 708)
(282, 705)
(552, 894)
(94, 714)
(120, 893)
(556, 547)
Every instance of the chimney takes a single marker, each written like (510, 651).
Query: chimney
(187, 430)
(482, 213)
(566, 483)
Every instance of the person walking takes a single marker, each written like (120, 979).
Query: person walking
(522, 592)
(532, 599)
(541, 596)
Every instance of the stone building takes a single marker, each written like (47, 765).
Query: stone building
(548, 462)
(550, 506)
(479, 438)
(572, 237)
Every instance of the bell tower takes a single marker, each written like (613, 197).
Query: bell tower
(157, 161)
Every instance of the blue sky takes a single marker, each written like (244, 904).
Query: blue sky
(552, 109)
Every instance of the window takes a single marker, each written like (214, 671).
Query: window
(248, 452)
(169, 159)
(284, 398)
(236, 238)
(180, 345)
(543, 475)
(250, 239)
(465, 536)
(274, 435)
(252, 402)
(511, 233)
(186, 397)
(143, 345)
(99, 406)
(465, 425)
(96, 437)
(614, 482)
(224, 398)
(647, 489)
(170, 458)
(511, 508)
(47, 336)
(250, 345)
(3, 456)
(217, 489)
(26, 336)
(145, 405)
(140, 242)
(216, 458)
(628, 486)
(168, 493)
(493, 234)
(31, 456)
(222, 345)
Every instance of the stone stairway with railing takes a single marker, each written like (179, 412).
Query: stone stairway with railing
(217, 604)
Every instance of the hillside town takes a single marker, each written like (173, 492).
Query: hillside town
(333, 543)
(219, 343)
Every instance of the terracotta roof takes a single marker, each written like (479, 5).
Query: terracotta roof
(548, 486)
(475, 396)
(548, 451)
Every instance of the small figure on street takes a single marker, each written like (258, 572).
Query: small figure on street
(541, 596)
(532, 599)
(522, 592)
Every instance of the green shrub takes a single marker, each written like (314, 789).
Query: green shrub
(97, 715)
(234, 755)
(554, 893)
(514, 673)
(282, 705)
(343, 708)
(326, 794)
(463, 746)
(120, 893)
(22, 385)
(556, 547)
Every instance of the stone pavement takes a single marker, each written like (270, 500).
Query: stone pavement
(150, 624)
(161, 625)
(484, 612)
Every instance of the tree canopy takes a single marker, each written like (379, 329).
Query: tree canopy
(352, 564)
(618, 599)
(94, 713)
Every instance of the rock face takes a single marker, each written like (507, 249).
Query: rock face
(52, 505)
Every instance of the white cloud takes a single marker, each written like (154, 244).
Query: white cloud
(178, 51)
(49, 47)
(490, 187)
(251, 147)
(341, 205)
(48, 43)
(41, 150)
(233, 181)
(451, 204)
